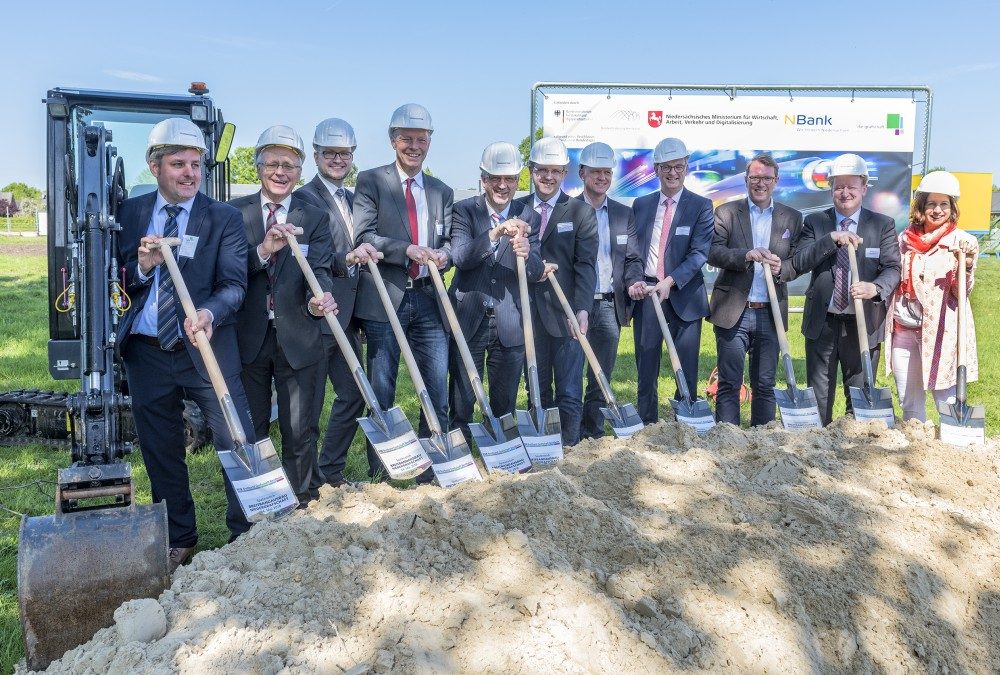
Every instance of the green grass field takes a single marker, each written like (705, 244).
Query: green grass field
(23, 364)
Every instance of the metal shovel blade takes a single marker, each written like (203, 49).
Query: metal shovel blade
(451, 458)
(962, 424)
(799, 409)
(544, 444)
(695, 413)
(873, 403)
(258, 479)
(500, 445)
(86, 563)
(625, 422)
(396, 444)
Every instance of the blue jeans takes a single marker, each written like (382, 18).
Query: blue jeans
(603, 333)
(560, 362)
(421, 320)
(754, 333)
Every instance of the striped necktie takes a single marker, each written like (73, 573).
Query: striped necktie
(167, 330)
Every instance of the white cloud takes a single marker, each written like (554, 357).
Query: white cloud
(133, 76)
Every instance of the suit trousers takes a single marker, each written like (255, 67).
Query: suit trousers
(649, 344)
(347, 407)
(603, 333)
(158, 383)
(755, 334)
(298, 413)
(837, 345)
(420, 318)
(502, 365)
(560, 362)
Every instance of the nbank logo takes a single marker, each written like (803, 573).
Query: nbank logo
(807, 121)
(894, 122)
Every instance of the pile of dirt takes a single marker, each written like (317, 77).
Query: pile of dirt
(855, 548)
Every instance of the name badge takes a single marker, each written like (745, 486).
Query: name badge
(564, 227)
(622, 239)
(188, 246)
(304, 248)
(872, 252)
(439, 228)
(683, 231)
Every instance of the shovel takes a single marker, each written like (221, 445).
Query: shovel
(540, 429)
(799, 409)
(389, 432)
(962, 424)
(692, 411)
(500, 445)
(868, 402)
(254, 469)
(451, 458)
(624, 419)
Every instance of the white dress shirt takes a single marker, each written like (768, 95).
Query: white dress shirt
(653, 255)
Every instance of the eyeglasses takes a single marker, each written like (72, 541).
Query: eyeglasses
(944, 206)
(497, 180)
(761, 180)
(672, 168)
(538, 171)
(271, 167)
(335, 154)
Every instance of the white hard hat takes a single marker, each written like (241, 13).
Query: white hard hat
(411, 116)
(598, 156)
(940, 181)
(334, 133)
(176, 131)
(281, 136)
(549, 150)
(501, 159)
(668, 149)
(849, 164)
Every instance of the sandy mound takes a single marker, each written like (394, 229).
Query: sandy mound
(852, 549)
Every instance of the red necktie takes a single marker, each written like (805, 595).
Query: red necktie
(411, 211)
(668, 215)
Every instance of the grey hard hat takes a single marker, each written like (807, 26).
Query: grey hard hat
(501, 159)
(176, 131)
(549, 150)
(281, 136)
(334, 133)
(411, 116)
(598, 156)
(668, 149)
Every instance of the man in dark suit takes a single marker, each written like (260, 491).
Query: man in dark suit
(279, 324)
(333, 144)
(567, 230)
(753, 237)
(675, 229)
(486, 236)
(161, 365)
(617, 250)
(828, 321)
(406, 215)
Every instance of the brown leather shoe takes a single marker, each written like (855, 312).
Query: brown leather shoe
(179, 556)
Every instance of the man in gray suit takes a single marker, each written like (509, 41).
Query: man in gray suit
(406, 215)
(675, 228)
(486, 236)
(617, 251)
(333, 151)
(828, 322)
(753, 237)
(279, 322)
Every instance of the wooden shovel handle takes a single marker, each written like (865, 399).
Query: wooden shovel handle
(963, 276)
(779, 324)
(859, 304)
(571, 317)
(675, 361)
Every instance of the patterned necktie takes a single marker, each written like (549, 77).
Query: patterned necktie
(411, 212)
(340, 196)
(272, 220)
(167, 331)
(841, 272)
(545, 218)
(668, 216)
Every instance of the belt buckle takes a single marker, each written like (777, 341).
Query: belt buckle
(409, 283)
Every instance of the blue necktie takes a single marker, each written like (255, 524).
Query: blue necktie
(167, 331)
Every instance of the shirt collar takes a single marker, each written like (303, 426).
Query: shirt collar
(676, 197)
(856, 217)
(551, 201)
(597, 207)
(264, 201)
(756, 209)
(161, 202)
(418, 179)
(503, 214)
(330, 185)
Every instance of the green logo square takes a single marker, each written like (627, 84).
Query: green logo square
(894, 121)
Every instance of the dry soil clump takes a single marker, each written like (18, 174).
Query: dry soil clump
(855, 548)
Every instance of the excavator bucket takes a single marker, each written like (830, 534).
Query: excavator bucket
(75, 569)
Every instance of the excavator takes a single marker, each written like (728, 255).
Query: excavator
(99, 548)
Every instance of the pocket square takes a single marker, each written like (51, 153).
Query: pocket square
(786, 234)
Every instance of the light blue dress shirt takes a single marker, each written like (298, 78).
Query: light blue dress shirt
(760, 226)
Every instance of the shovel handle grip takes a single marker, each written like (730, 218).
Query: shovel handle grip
(404, 348)
(595, 365)
(779, 324)
(859, 304)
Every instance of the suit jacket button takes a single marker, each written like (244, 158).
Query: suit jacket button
(486, 303)
(493, 281)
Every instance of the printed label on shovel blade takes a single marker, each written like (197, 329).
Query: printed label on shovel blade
(510, 456)
(266, 493)
(700, 424)
(866, 415)
(800, 418)
(962, 436)
(403, 457)
(456, 471)
(628, 432)
(544, 449)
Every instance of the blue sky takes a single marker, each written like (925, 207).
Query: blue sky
(473, 64)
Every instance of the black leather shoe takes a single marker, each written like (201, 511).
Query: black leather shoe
(179, 556)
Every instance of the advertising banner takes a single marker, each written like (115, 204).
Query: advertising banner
(803, 134)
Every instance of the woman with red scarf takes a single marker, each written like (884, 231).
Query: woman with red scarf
(922, 323)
